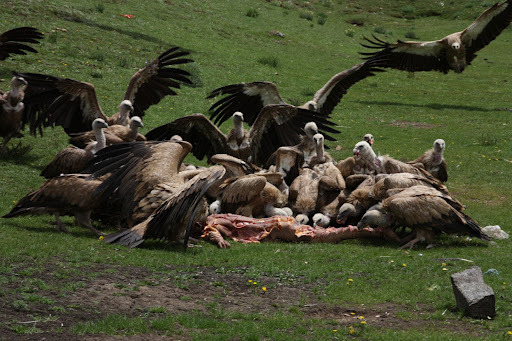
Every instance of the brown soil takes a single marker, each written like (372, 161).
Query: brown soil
(131, 291)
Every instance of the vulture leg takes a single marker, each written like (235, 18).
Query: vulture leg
(60, 226)
(84, 219)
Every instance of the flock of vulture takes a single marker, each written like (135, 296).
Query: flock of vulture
(114, 175)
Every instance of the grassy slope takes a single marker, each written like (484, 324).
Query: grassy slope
(105, 48)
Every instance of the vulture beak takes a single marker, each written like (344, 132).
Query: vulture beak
(356, 153)
(361, 225)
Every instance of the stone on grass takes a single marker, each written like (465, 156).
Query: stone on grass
(473, 296)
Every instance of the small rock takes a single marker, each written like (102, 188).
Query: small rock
(495, 232)
(472, 295)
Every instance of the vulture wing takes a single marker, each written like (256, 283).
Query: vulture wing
(486, 28)
(14, 41)
(280, 125)
(248, 98)
(170, 218)
(158, 79)
(331, 93)
(51, 101)
(407, 55)
(197, 129)
(242, 189)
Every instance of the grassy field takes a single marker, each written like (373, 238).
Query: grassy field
(72, 286)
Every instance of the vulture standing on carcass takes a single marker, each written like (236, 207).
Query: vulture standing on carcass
(453, 52)
(73, 104)
(425, 210)
(251, 98)
(69, 194)
(275, 126)
(116, 133)
(11, 111)
(15, 41)
(382, 187)
(73, 159)
(433, 161)
(357, 203)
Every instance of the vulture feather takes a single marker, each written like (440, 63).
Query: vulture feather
(15, 41)
(11, 111)
(433, 161)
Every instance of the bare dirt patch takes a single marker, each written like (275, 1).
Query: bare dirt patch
(96, 291)
(408, 124)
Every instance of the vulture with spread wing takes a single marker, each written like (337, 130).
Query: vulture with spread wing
(251, 98)
(15, 41)
(277, 125)
(74, 105)
(453, 52)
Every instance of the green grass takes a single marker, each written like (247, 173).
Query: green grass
(93, 42)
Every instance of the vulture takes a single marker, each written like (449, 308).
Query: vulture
(73, 159)
(382, 187)
(74, 105)
(320, 156)
(433, 161)
(174, 218)
(250, 98)
(303, 194)
(116, 133)
(357, 203)
(15, 41)
(276, 126)
(425, 210)
(369, 138)
(70, 194)
(454, 52)
(11, 111)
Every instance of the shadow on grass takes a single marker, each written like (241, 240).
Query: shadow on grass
(436, 106)
(51, 227)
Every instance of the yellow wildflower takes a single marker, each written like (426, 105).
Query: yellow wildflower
(350, 280)
(101, 238)
(363, 322)
(403, 264)
(443, 264)
(445, 269)
(264, 288)
(335, 330)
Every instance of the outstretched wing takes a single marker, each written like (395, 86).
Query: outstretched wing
(248, 98)
(407, 55)
(170, 218)
(65, 102)
(486, 28)
(205, 137)
(331, 93)
(281, 125)
(14, 41)
(158, 79)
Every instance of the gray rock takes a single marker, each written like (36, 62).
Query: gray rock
(472, 295)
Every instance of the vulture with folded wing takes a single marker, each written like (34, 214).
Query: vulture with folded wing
(453, 52)
(424, 209)
(74, 105)
(433, 161)
(15, 41)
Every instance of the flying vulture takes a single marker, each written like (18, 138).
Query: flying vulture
(453, 52)
(425, 210)
(276, 125)
(15, 41)
(11, 111)
(250, 98)
(74, 105)
(433, 161)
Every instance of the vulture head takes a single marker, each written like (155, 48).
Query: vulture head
(374, 218)
(311, 129)
(238, 117)
(364, 150)
(302, 219)
(126, 107)
(321, 220)
(136, 122)
(439, 145)
(310, 105)
(369, 138)
(176, 138)
(98, 124)
(18, 82)
(345, 211)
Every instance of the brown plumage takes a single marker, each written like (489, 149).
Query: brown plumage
(70, 194)
(113, 134)
(433, 161)
(73, 159)
(15, 41)
(251, 98)
(303, 194)
(137, 169)
(74, 105)
(453, 52)
(276, 126)
(174, 217)
(320, 156)
(357, 202)
(11, 111)
(425, 210)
